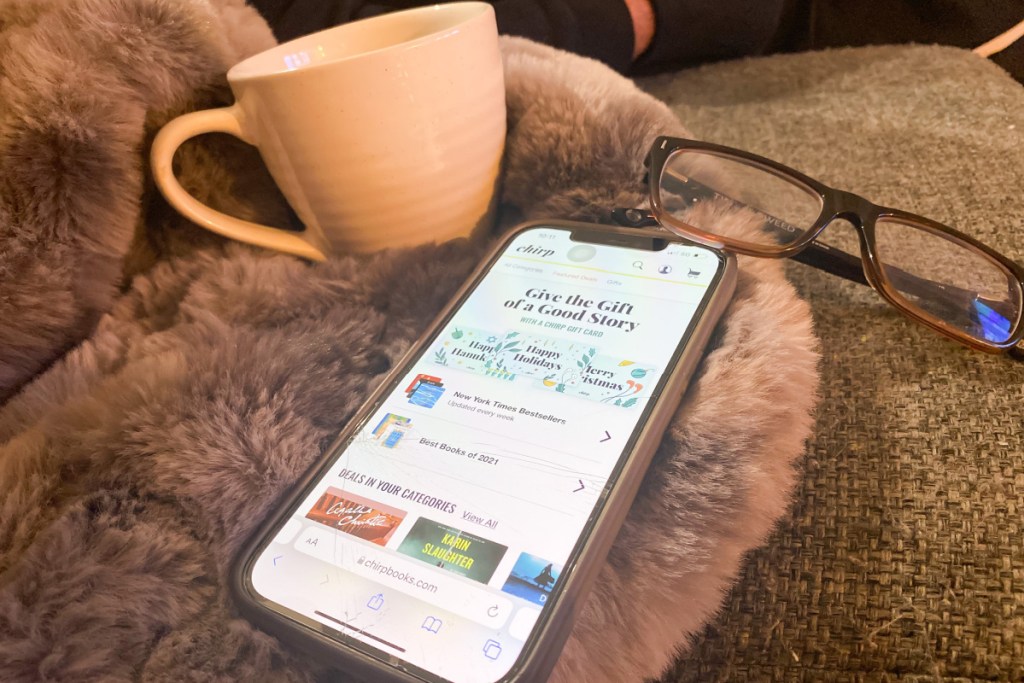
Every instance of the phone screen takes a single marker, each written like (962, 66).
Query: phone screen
(441, 530)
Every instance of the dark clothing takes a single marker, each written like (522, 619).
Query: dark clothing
(961, 23)
(687, 32)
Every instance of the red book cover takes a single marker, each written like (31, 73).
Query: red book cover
(355, 515)
(420, 378)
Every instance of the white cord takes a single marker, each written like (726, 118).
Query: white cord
(1001, 42)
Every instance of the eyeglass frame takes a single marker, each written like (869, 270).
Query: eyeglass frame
(835, 204)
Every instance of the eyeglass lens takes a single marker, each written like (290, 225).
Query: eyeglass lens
(695, 187)
(948, 279)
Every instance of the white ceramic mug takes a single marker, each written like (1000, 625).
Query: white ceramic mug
(383, 132)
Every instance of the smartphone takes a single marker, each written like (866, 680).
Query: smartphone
(451, 531)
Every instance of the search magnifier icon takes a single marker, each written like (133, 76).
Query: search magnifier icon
(639, 265)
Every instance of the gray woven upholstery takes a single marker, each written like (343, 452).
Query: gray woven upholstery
(902, 558)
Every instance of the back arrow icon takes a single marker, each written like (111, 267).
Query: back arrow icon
(606, 436)
(580, 488)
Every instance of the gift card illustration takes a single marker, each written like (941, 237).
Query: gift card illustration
(479, 351)
(390, 430)
(424, 390)
(452, 549)
(570, 368)
(608, 379)
(356, 516)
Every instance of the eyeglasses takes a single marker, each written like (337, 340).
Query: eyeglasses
(930, 272)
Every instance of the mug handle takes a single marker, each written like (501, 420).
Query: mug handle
(223, 120)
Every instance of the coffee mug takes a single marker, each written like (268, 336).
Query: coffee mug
(384, 132)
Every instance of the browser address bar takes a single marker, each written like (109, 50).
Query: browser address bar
(411, 578)
(635, 274)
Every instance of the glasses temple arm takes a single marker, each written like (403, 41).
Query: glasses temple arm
(833, 261)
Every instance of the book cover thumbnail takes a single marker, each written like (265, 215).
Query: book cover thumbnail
(452, 549)
(532, 578)
(357, 516)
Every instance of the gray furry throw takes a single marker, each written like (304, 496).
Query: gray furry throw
(163, 387)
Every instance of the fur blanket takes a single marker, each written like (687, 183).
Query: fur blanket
(163, 387)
